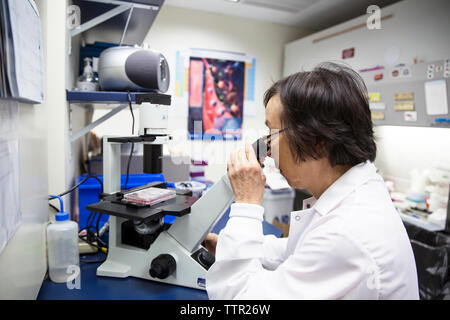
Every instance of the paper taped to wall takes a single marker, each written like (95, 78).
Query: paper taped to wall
(404, 106)
(436, 97)
(399, 96)
(10, 214)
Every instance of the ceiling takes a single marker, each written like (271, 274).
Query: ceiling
(313, 15)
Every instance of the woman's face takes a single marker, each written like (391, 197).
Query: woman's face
(300, 175)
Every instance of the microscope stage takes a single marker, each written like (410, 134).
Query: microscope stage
(178, 206)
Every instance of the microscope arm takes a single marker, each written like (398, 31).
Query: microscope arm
(190, 230)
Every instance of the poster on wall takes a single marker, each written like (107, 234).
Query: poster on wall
(218, 89)
(216, 98)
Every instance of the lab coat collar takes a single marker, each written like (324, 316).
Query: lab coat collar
(342, 187)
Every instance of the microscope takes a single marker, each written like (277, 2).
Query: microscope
(140, 243)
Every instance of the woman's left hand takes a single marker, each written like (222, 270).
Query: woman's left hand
(246, 176)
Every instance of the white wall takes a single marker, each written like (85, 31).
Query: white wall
(61, 71)
(55, 61)
(402, 149)
(23, 262)
(417, 29)
(176, 29)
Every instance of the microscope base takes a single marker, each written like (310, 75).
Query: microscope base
(125, 261)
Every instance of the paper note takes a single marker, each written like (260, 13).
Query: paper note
(377, 106)
(436, 97)
(27, 42)
(374, 96)
(10, 213)
(406, 72)
(410, 116)
(403, 96)
(377, 115)
(404, 106)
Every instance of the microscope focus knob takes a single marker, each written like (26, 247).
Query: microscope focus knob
(163, 266)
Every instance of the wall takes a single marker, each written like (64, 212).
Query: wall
(55, 46)
(48, 162)
(175, 29)
(61, 71)
(417, 29)
(402, 149)
(23, 261)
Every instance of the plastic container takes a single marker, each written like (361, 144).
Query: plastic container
(278, 204)
(194, 186)
(62, 246)
(149, 196)
(88, 192)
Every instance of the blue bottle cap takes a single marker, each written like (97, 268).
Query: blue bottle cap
(62, 216)
(170, 185)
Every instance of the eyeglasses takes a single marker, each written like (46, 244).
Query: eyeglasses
(268, 137)
(262, 146)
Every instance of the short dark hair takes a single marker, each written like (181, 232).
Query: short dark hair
(326, 114)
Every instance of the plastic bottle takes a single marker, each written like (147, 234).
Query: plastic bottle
(62, 244)
(87, 81)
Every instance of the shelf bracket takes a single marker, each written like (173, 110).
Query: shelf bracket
(101, 18)
(121, 7)
(80, 133)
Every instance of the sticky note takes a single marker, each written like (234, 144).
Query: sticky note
(403, 96)
(377, 115)
(377, 106)
(404, 106)
(374, 96)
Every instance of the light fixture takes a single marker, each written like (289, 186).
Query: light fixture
(234, 1)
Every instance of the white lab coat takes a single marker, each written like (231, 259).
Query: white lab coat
(349, 244)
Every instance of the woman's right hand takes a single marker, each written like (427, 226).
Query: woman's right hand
(210, 242)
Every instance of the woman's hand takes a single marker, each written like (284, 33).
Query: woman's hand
(210, 242)
(246, 176)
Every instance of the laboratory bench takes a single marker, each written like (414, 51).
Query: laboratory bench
(93, 287)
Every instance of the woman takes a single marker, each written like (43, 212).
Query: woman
(349, 241)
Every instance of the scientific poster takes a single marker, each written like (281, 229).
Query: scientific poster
(215, 91)
(216, 98)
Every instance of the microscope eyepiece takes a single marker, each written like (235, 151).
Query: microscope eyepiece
(260, 148)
